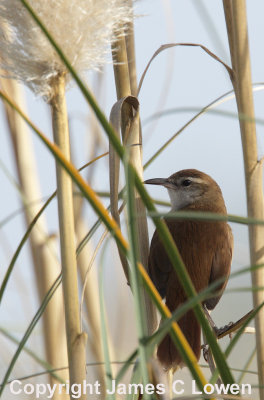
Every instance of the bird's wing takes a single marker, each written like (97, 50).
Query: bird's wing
(221, 264)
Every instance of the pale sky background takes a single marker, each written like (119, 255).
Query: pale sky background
(179, 78)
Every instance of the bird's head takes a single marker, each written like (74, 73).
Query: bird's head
(192, 189)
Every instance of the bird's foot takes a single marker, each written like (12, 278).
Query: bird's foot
(205, 348)
(224, 329)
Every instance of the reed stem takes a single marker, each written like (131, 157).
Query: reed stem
(236, 21)
(125, 75)
(45, 263)
(76, 340)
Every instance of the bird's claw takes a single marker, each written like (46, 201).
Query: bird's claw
(205, 349)
(223, 329)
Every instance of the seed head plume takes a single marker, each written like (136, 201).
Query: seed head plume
(82, 28)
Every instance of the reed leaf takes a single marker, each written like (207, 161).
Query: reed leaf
(133, 256)
(207, 216)
(169, 46)
(241, 330)
(236, 338)
(198, 113)
(126, 366)
(135, 379)
(104, 336)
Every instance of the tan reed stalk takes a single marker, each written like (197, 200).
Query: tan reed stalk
(121, 69)
(236, 19)
(43, 252)
(92, 304)
(76, 340)
(131, 54)
(121, 73)
(91, 297)
(88, 274)
(124, 77)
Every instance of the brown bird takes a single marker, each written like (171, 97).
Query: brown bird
(205, 247)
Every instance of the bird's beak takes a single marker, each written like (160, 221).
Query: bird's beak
(160, 181)
(156, 181)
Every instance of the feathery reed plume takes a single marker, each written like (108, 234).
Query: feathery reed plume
(82, 28)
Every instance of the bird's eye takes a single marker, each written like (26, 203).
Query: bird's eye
(186, 182)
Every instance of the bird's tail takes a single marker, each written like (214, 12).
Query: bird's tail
(167, 353)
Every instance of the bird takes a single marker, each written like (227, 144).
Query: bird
(205, 247)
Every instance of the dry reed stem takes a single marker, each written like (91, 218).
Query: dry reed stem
(76, 340)
(89, 278)
(114, 171)
(236, 12)
(43, 251)
(121, 70)
(131, 139)
(124, 75)
(122, 81)
(133, 143)
(91, 299)
(131, 54)
(171, 45)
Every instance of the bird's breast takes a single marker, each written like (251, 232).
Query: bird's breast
(197, 242)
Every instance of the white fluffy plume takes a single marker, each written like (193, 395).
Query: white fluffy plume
(82, 28)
